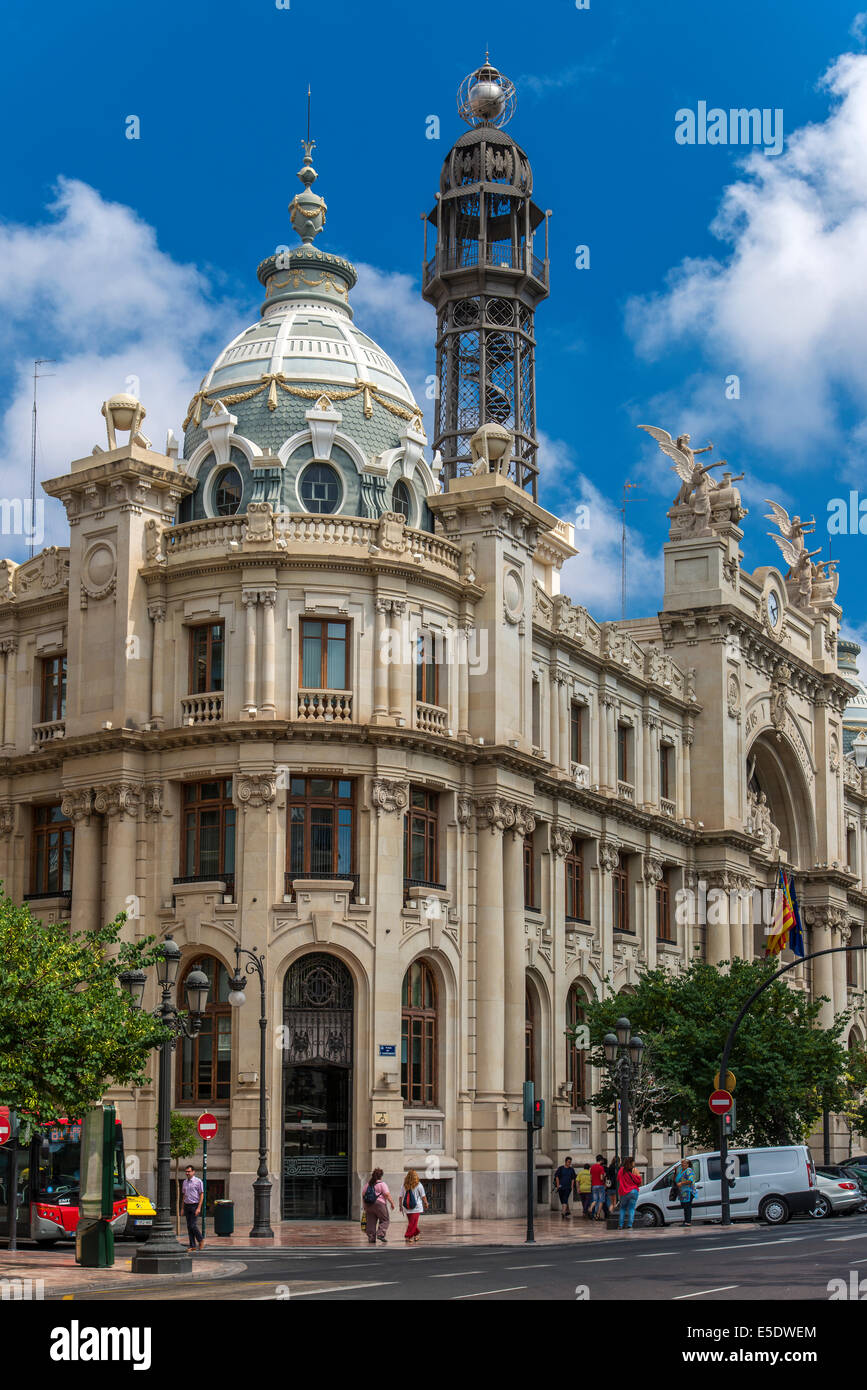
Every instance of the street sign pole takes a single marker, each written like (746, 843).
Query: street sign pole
(529, 1101)
(204, 1185)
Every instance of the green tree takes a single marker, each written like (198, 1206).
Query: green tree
(854, 1108)
(184, 1140)
(782, 1059)
(67, 1029)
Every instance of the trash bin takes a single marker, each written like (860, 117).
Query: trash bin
(224, 1217)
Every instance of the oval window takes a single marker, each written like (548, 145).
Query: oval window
(319, 488)
(401, 501)
(227, 492)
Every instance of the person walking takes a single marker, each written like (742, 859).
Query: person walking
(564, 1181)
(597, 1189)
(413, 1202)
(193, 1194)
(611, 1185)
(374, 1197)
(583, 1184)
(683, 1183)
(628, 1183)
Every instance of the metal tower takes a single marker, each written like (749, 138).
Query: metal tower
(484, 281)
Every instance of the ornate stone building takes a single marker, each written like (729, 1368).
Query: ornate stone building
(285, 691)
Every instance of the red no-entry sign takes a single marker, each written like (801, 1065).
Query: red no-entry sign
(720, 1102)
(207, 1126)
(5, 1124)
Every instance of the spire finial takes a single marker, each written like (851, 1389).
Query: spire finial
(307, 209)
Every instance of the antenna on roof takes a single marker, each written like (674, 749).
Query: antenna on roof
(308, 113)
(38, 362)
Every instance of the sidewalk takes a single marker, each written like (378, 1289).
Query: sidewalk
(60, 1274)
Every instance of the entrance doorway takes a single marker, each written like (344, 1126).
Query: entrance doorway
(317, 1088)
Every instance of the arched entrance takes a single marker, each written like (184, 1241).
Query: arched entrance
(317, 1088)
(773, 772)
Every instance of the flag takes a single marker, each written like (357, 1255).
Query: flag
(787, 933)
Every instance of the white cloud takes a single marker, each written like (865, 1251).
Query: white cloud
(389, 308)
(858, 27)
(786, 308)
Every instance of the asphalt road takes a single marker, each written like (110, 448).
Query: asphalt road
(793, 1262)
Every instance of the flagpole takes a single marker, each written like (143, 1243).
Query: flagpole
(729, 1043)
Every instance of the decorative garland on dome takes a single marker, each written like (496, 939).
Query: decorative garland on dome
(271, 380)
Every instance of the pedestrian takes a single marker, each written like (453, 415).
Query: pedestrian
(611, 1185)
(413, 1202)
(374, 1197)
(628, 1183)
(193, 1195)
(597, 1189)
(583, 1185)
(683, 1184)
(564, 1181)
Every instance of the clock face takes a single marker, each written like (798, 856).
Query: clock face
(773, 609)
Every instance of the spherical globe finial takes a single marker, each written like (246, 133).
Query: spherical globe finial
(486, 97)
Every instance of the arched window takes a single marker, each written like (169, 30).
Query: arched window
(418, 1046)
(228, 488)
(401, 501)
(319, 488)
(205, 1061)
(576, 1058)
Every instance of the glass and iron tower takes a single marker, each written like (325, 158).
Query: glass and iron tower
(485, 281)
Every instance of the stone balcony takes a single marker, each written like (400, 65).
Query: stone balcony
(325, 706)
(668, 808)
(202, 709)
(49, 730)
(431, 719)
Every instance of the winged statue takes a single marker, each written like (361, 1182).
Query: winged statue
(794, 555)
(793, 529)
(692, 475)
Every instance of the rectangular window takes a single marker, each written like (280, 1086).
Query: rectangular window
(622, 753)
(575, 881)
(620, 887)
(852, 967)
(208, 849)
(324, 655)
(530, 874)
(427, 669)
(51, 861)
(321, 839)
(577, 733)
(666, 753)
(421, 833)
(52, 705)
(536, 714)
(663, 911)
(206, 658)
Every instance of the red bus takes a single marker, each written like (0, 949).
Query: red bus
(48, 1182)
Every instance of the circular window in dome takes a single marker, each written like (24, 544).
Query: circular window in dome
(319, 488)
(401, 501)
(228, 488)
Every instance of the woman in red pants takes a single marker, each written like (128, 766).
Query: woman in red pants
(413, 1202)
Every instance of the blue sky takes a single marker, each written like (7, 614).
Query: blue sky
(137, 258)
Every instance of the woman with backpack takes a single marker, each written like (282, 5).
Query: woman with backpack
(683, 1188)
(412, 1202)
(373, 1198)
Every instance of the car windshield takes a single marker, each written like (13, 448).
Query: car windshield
(59, 1160)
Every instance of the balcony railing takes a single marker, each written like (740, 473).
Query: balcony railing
(228, 879)
(325, 706)
(626, 791)
(317, 875)
(423, 883)
(51, 729)
(472, 253)
(431, 719)
(668, 808)
(202, 709)
(63, 894)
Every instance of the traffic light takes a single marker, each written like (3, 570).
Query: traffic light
(729, 1120)
(539, 1114)
(529, 1101)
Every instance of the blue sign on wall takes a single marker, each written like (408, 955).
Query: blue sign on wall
(387, 1050)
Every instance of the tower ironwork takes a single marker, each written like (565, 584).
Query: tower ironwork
(485, 281)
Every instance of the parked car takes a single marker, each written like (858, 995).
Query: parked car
(836, 1195)
(771, 1184)
(140, 1213)
(844, 1172)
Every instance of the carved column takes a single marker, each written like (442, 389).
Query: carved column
(718, 928)
(464, 686)
(565, 732)
(157, 615)
(268, 599)
(119, 803)
(400, 671)
(646, 788)
(652, 870)
(841, 935)
(653, 737)
(554, 713)
(609, 856)
(820, 920)
(684, 774)
(493, 817)
(10, 647)
(250, 600)
(602, 740)
(514, 936)
(85, 913)
(380, 661)
(4, 662)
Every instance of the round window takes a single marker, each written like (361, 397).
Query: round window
(401, 502)
(227, 492)
(320, 488)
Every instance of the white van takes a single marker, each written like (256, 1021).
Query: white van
(768, 1184)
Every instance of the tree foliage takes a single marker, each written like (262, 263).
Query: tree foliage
(783, 1061)
(67, 1029)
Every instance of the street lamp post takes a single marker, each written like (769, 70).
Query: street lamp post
(162, 1252)
(262, 1186)
(623, 1055)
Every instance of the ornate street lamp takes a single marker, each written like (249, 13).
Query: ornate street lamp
(237, 997)
(623, 1057)
(859, 750)
(162, 1252)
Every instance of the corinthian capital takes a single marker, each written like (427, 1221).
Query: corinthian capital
(77, 805)
(652, 869)
(117, 799)
(256, 789)
(561, 841)
(525, 821)
(7, 819)
(390, 795)
(497, 813)
(609, 855)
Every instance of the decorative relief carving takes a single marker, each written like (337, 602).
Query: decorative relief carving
(609, 855)
(496, 812)
(733, 697)
(77, 805)
(254, 790)
(652, 869)
(117, 799)
(260, 523)
(389, 795)
(464, 810)
(7, 819)
(525, 821)
(561, 841)
(153, 800)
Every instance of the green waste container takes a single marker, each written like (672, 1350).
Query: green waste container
(224, 1217)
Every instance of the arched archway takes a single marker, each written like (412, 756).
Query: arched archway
(774, 770)
(318, 1000)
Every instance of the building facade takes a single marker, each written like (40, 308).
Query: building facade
(311, 687)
